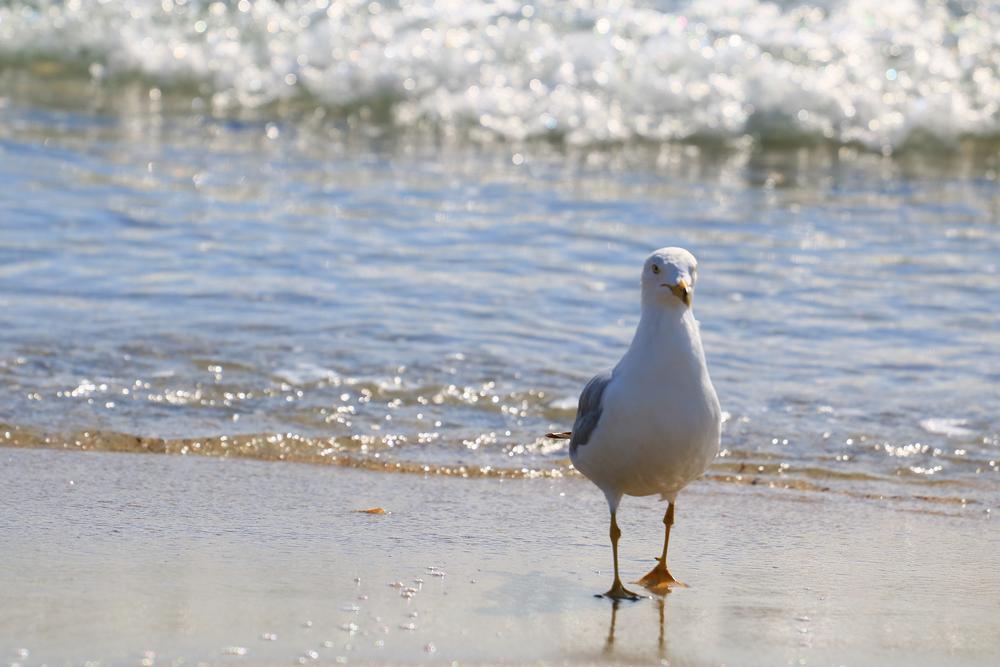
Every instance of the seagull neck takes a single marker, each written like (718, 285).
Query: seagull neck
(664, 328)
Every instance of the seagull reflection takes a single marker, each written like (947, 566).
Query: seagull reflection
(661, 603)
(609, 643)
(661, 644)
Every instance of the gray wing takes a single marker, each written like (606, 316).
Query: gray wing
(588, 412)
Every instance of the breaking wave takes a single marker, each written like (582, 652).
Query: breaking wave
(882, 75)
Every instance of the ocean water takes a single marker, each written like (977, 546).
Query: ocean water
(402, 236)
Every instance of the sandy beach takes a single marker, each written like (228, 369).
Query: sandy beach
(117, 559)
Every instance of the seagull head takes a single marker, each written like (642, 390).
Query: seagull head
(668, 278)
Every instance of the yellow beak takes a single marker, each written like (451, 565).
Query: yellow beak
(682, 290)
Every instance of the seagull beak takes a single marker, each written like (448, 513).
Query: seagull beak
(682, 290)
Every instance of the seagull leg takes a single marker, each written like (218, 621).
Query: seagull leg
(659, 579)
(618, 591)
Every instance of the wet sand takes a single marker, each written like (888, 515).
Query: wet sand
(124, 559)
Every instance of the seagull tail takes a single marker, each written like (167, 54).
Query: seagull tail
(563, 435)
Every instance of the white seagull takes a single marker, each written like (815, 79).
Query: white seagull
(651, 425)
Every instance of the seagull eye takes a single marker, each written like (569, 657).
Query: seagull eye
(656, 269)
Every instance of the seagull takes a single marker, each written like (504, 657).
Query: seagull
(652, 425)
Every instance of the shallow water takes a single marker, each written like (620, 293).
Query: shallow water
(300, 281)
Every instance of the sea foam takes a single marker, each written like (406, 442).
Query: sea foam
(868, 72)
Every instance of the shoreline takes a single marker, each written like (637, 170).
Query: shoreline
(951, 497)
(188, 557)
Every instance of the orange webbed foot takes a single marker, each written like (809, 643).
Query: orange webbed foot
(619, 592)
(659, 580)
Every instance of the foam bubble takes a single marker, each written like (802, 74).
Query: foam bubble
(954, 428)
